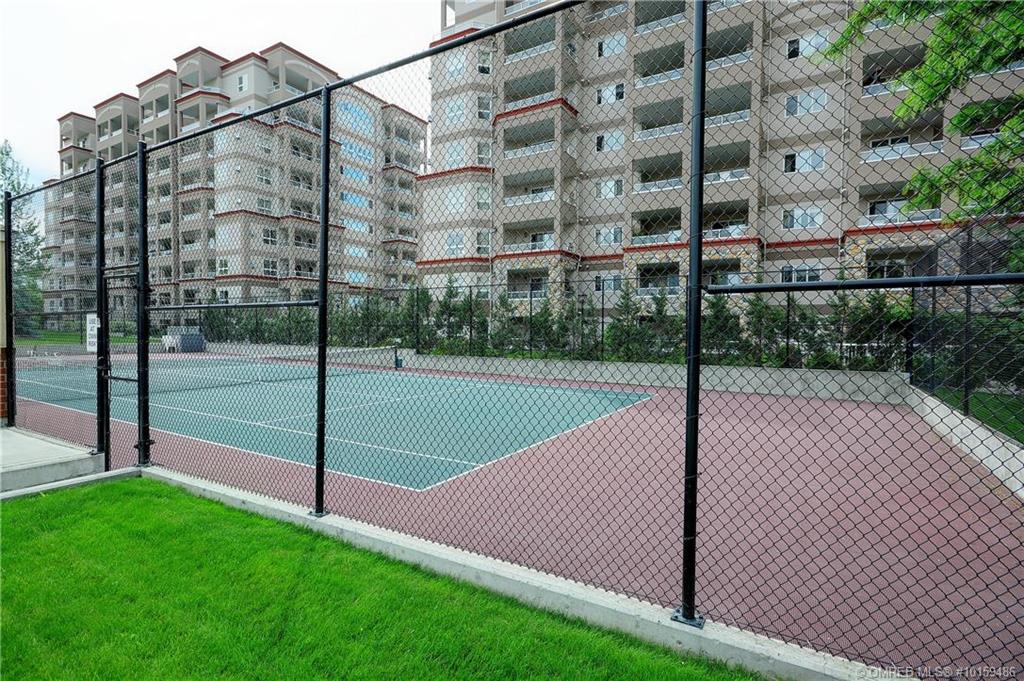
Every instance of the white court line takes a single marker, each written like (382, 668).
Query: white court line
(237, 449)
(537, 444)
(279, 428)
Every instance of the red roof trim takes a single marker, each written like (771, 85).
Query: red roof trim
(108, 100)
(654, 247)
(893, 228)
(165, 72)
(447, 261)
(395, 166)
(200, 48)
(533, 254)
(75, 113)
(557, 101)
(200, 93)
(730, 241)
(283, 46)
(454, 36)
(239, 60)
(455, 171)
(804, 243)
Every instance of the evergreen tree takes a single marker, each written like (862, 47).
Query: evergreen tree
(722, 339)
(626, 338)
(26, 248)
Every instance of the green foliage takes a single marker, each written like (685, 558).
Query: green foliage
(26, 248)
(969, 37)
(627, 338)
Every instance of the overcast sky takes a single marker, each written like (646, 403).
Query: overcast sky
(67, 55)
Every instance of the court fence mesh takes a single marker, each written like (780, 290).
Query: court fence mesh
(493, 347)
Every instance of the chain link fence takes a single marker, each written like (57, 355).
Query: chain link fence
(452, 297)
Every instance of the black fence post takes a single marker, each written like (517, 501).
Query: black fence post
(687, 612)
(103, 332)
(931, 343)
(908, 360)
(789, 329)
(9, 351)
(321, 336)
(142, 310)
(602, 317)
(529, 323)
(965, 359)
(416, 317)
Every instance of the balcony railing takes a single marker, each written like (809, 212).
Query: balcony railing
(519, 294)
(660, 23)
(729, 60)
(190, 126)
(659, 185)
(894, 151)
(726, 175)
(978, 141)
(662, 238)
(530, 149)
(900, 217)
(738, 229)
(529, 52)
(524, 199)
(529, 101)
(651, 291)
(719, 5)
(607, 12)
(726, 118)
(654, 78)
(660, 131)
(520, 6)
(526, 246)
(886, 88)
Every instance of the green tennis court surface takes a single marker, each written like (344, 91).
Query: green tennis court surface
(398, 427)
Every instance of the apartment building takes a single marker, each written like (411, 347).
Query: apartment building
(234, 215)
(560, 149)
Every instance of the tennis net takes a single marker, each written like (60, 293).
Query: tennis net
(71, 378)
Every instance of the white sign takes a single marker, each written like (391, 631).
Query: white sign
(92, 331)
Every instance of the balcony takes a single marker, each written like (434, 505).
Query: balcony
(532, 197)
(674, 236)
(530, 52)
(727, 118)
(529, 101)
(530, 149)
(726, 175)
(659, 185)
(894, 151)
(655, 78)
(728, 232)
(719, 5)
(729, 60)
(188, 127)
(663, 22)
(526, 294)
(900, 217)
(545, 244)
(650, 291)
(608, 12)
(978, 141)
(660, 131)
(521, 6)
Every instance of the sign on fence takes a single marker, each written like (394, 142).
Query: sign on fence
(92, 329)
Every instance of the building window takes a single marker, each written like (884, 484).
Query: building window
(356, 117)
(455, 65)
(264, 175)
(809, 217)
(483, 153)
(358, 200)
(483, 107)
(612, 45)
(265, 144)
(807, 45)
(483, 243)
(357, 277)
(610, 141)
(356, 174)
(804, 161)
(483, 196)
(269, 267)
(611, 93)
(222, 296)
(801, 273)
(886, 268)
(356, 251)
(607, 189)
(270, 236)
(608, 236)
(454, 111)
(264, 206)
(808, 102)
(454, 244)
(453, 155)
(483, 60)
(222, 266)
(608, 282)
(243, 82)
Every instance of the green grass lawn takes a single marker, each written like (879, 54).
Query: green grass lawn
(65, 338)
(1001, 412)
(136, 579)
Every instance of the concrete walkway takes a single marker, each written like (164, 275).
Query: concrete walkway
(28, 459)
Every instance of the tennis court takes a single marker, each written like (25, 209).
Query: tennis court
(385, 424)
